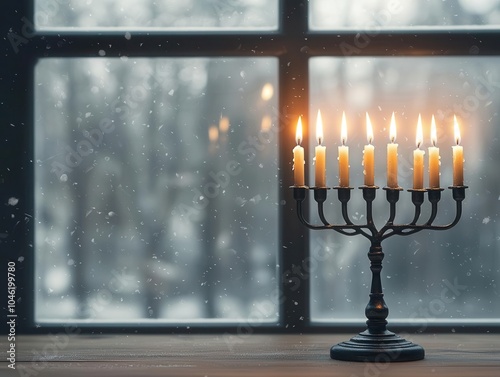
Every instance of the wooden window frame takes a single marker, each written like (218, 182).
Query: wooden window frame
(293, 44)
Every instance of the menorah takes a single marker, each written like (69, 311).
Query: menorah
(376, 343)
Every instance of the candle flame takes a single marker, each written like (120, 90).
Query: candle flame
(433, 132)
(319, 128)
(369, 129)
(420, 135)
(392, 132)
(343, 129)
(457, 130)
(298, 131)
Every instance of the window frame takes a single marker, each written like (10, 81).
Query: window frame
(293, 44)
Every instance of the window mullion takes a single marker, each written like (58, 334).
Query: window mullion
(294, 102)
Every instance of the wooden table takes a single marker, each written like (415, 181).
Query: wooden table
(229, 355)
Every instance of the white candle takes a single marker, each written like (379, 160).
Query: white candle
(418, 158)
(434, 157)
(320, 155)
(298, 157)
(458, 158)
(343, 156)
(392, 157)
(369, 155)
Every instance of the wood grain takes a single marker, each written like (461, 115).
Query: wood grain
(458, 355)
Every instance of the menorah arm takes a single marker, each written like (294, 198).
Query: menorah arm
(434, 197)
(417, 198)
(392, 197)
(348, 229)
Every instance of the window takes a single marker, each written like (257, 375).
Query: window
(419, 270)
(165, 15)
(153, 200)
(395, 14)
(155, 159)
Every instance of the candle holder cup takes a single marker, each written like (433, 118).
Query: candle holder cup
(376, 343)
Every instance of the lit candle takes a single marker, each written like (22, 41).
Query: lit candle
(418, 158)
(320, 155)
(298, 157)
(343, 156)
(458, 158)
(392, 157)
(369, 155)
(434, 157)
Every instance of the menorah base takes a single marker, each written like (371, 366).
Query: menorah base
(383, 348)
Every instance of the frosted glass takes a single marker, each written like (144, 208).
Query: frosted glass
(390, 14)
(152, 14)
(156, 189)
(432, 275)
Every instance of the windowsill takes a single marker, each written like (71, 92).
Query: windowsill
(232, 355)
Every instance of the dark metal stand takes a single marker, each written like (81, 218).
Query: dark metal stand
(376, 343)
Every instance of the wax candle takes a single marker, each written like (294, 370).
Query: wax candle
(320, 155)
(392, 157)
(369, 155)
(298, 157)
(343, 156)
(434, 157)
(458, 157)
(418, 158)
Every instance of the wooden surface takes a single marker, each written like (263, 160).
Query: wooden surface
(456, 355)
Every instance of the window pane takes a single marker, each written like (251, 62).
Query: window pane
(170, 14)
(430, 275)
(156, 189)
(370, 14)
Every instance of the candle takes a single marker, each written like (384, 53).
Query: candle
(458, 158)
(298, 157)
(434, 158)
(343, 156)
(320, 155)
(392, 157)
(369, 155)
(418, 158)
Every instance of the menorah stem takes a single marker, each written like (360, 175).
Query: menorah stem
(376, 311)
(376, 343)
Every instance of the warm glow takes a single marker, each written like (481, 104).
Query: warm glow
(433, 132)
(392, 131)
(267, 92)
(457, 130)
(343, 130)
(223, 124)
(420, 134)
(213, 133)
(298, 131)
(319, 128)
(369, 129)
(266, 123)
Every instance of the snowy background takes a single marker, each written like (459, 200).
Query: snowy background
(130, 222)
